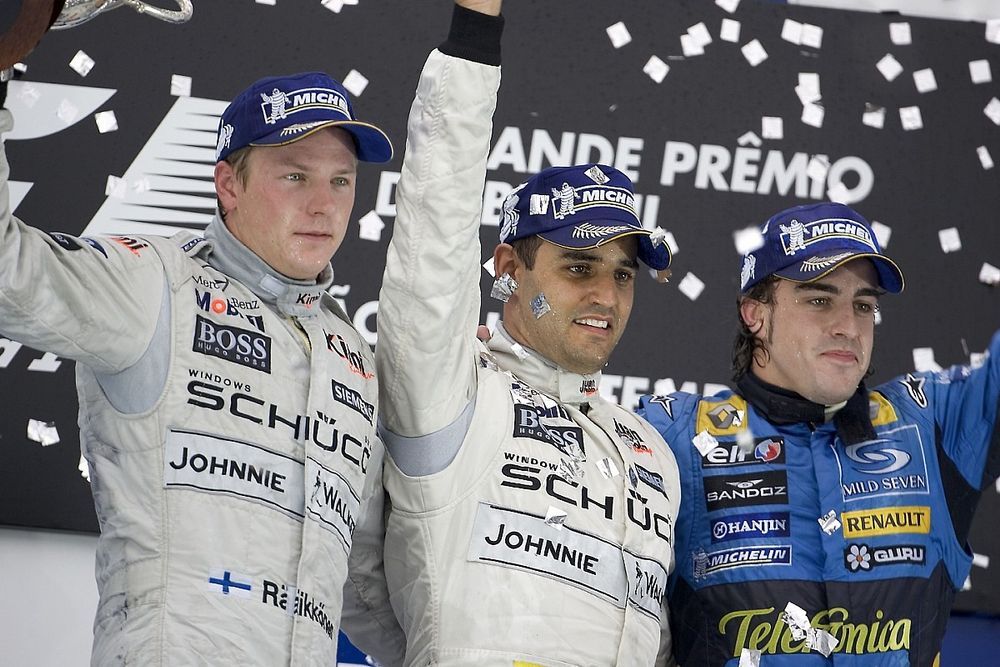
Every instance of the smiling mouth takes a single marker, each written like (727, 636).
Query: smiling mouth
(597, 324)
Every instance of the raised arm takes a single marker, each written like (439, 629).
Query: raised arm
(429, 303)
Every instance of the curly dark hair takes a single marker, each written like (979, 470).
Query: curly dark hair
(747, 344)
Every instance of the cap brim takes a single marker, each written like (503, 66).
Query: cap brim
(372, 143)
(890, 278)
(655, 257)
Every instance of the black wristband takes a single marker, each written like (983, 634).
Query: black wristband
(474, 36)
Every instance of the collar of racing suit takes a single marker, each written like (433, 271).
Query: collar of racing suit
(291, 297)
(540, 373)
(780, 406)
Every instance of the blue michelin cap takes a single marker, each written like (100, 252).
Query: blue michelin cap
(280, 110)
(579, 207)
(805, 243)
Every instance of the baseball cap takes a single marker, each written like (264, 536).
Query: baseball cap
(279, 110)
(579, 207)
(804, 243)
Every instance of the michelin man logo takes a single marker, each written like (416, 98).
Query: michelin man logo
(277, 100)
(565, 200)
(746, 273)
(796, 237)
(225, 135)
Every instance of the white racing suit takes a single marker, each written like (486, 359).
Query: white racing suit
(531, 520)
(227, 415)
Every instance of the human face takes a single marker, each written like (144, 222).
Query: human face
(818, 335)
(589, 292)
(294, 207)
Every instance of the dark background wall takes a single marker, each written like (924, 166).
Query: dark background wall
(567, 93)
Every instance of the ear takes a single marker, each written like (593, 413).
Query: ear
(226, 185)
(505, 260)
(753, 313)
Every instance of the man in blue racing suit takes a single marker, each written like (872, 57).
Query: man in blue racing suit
(822, 522)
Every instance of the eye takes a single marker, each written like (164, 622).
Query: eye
(819, 301)
(295, 176)
(579, 269)
(342, 181)
(866, 308)
(623, 276)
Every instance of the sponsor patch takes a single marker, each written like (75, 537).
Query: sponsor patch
(333, 503)
(354, 400)
(528, 424)
(653, 479)
(727, 559)
(632, 438)
(797, 236)
(730, 453)
(769, 487)
(862, 557)
(750, 525)
(65, 241)
(915, 388)
(355, 360)
(523, 541)
(231, 307)
(239, 346)
(134, 245)
(721, 417)
(891, 465)
(886, 521)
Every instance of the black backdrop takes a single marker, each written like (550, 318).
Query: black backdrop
(564, 82)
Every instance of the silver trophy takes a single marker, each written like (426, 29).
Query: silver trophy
(75, 12)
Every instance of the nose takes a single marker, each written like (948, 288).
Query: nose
(845, 321)
(604, 291)
(321, 199)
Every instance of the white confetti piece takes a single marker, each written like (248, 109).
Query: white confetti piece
(772, 127)
(950, 239)
(981, 560)
(180, 85)
(607, 468)
(985, 158)
(691, 286)
(749, 138)
(618, 34)
(967, 586)
(699, 33)
(704, 442)
(81, 63)
(370, 227)
(489, 268)
(656, 69)
(889, 67)
(754, 52)
(336, 5)
(690, 47)
(924, 80)
(883, 233)
(747, 240)
(818, 167)
(809, 82)
(749, 658)
(993, 31)
(812, 36)
(989, 274)
(668, 238)
(996, 485)
(829, 523)
(84, 468)
(728, 5)
(812, 114)
(106, 121)
(980, 72)
(355, 82)
(44, 433)
(874, 116)
(923, 359)
(910, 118)
(797, 619)
(838, 192)
(116, 187)
(899, 33)
(272, 3)
(791, 31)
(519, 351)
(992, 111)
(730, 31)
(822, 641)
(555, 518)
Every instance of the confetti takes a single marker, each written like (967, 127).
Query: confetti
(910, 118)
(980, 560)
(874, 116)
(829, 523)
(618, 34)
(989, 274)
(355, 82)
(730, 31)
(81, 63)
(116, 187)
(704, 442)
(791, 31)
(540, 305)
(691, 287)
(336, 5)
(749, 658)
(899, 33)
(808, 88)
(812, 114)
(980, 72)
(272, 3)
(984, 157)
(690, 47)
(993, 31)
(607, 468)
(889, 67)
(923, 359)
(839, 193)
(950, 239)
(656, 69)
(818, 168)
(754, 52)
(84, 468)
(992, 110)
(747, 240)
(106, 121)
(882, 233)
(41, 432)
(728, 5)
(555, 518)
(180, 85)
(699, 33)
(924, 80)
(772, 127)
(489, 268)
(812, 36)
(370, 227)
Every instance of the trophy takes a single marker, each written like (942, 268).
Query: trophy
(23, 22)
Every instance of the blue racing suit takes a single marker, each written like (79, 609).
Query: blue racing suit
(861, 520)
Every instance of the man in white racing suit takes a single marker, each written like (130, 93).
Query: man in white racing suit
(227, 405)
(531, 520)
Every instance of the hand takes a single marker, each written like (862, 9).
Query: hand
(483, 333)
(490, 7)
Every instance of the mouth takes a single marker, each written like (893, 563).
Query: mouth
(841, 356)
(593, 323)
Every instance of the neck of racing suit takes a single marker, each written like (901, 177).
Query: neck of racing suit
(540, 373)
(291, 297)
(781, 406)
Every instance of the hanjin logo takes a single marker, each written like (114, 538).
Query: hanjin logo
(246, 348)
